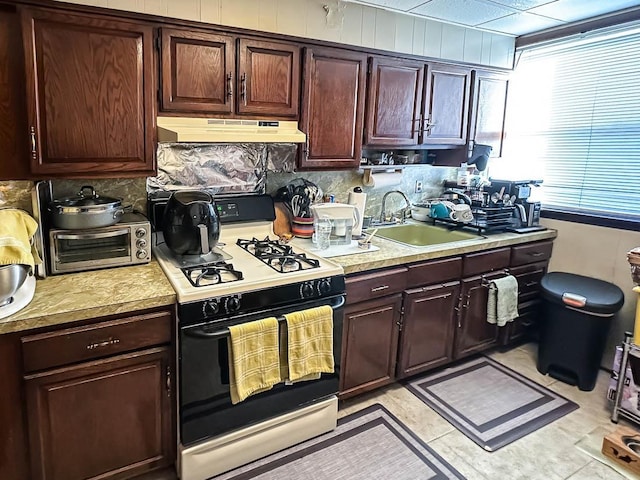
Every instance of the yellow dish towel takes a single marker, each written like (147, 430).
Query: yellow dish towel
(16, 229)
(310, 342)
(254, 363)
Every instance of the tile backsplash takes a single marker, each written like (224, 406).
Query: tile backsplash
(338, 183)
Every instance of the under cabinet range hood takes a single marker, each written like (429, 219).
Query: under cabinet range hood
(213, 130)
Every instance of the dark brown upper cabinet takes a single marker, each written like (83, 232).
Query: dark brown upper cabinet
(198, 71)
(400, 112)
(332, 107)
(90, 92)
(14, 129)
(220, 74)
(394, 103)
(446, 105)
(488, 109)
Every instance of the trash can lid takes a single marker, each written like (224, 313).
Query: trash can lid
(578, 291)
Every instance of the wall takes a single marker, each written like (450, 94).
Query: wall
(598, 252)
(348, 23)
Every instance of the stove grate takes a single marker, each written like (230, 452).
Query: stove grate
(212, 274)
(279, 256)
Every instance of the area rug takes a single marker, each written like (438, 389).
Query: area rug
(370, 444)
(490, 403)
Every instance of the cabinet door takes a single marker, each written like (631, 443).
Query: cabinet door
(197, 71)
(14, 130)
(426, 339)
(488, 110)
(268, 78)
(333, 107)
(90, 88)
(394, 102)
(369, 345)
(473, 333)
(447, 109)
(109, 418)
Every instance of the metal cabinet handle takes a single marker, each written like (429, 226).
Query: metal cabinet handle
(168, 380)
(531, 284)
(105, 343)
(536, 254)
(229, 85)
(243, 88)
(32, 135)
(379, 289)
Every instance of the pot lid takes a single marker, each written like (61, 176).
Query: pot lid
(87, 197)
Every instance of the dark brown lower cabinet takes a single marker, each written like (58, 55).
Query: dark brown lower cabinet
(109, 418)
(474, 333)
(428, 327)
(370, 345)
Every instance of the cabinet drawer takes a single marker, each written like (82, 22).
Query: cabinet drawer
(529, 277)
(482, 262)
(77, 344)
(534, 252)
(437, 271)
(375, 285)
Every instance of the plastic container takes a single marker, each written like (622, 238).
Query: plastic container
(574, 323)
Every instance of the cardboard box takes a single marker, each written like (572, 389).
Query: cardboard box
(623, 447)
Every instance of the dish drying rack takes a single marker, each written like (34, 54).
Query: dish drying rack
(485, 218)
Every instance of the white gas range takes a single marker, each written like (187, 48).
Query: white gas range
(250, 275)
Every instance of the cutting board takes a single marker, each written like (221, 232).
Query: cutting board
(282, 223)
(333, 250)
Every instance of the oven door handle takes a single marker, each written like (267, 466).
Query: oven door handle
(201, 333)
(91, 236)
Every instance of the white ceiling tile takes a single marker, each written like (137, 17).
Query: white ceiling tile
(401, 5)
(573, 10)
(521, 23)
(522, 4)
(466, 12)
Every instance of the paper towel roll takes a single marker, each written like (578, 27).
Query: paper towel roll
(383, 179)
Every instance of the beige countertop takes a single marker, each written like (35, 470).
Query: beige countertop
(393, 253)
(61, 299)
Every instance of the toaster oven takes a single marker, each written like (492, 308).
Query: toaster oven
(128, 242)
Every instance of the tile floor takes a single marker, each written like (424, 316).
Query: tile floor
(546, 454)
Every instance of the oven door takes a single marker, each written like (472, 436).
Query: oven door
(205, 403)
(72, 252)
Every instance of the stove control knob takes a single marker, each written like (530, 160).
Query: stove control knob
(232, 304)
(324, 286)
(141, 243)
(210, 308)
(141, 254)
(141, 232)
(307, 290)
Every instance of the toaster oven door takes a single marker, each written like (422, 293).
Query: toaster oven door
(73, 252)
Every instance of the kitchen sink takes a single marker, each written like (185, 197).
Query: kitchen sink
(422, 235)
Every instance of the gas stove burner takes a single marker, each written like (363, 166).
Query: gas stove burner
(281, 257)
(212, 274)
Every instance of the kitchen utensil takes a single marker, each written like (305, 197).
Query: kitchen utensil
(282, 223)
(191, 225)
(11, 279)
(85, 210)
(495, 197)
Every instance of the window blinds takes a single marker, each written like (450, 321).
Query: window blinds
(574, 118)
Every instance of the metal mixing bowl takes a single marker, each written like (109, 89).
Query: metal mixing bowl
(11, 279)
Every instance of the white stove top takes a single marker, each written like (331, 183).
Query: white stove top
(257, 275)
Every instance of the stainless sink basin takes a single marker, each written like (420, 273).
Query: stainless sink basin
(422, 235)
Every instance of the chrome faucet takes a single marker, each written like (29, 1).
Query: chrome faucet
(383, 217)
